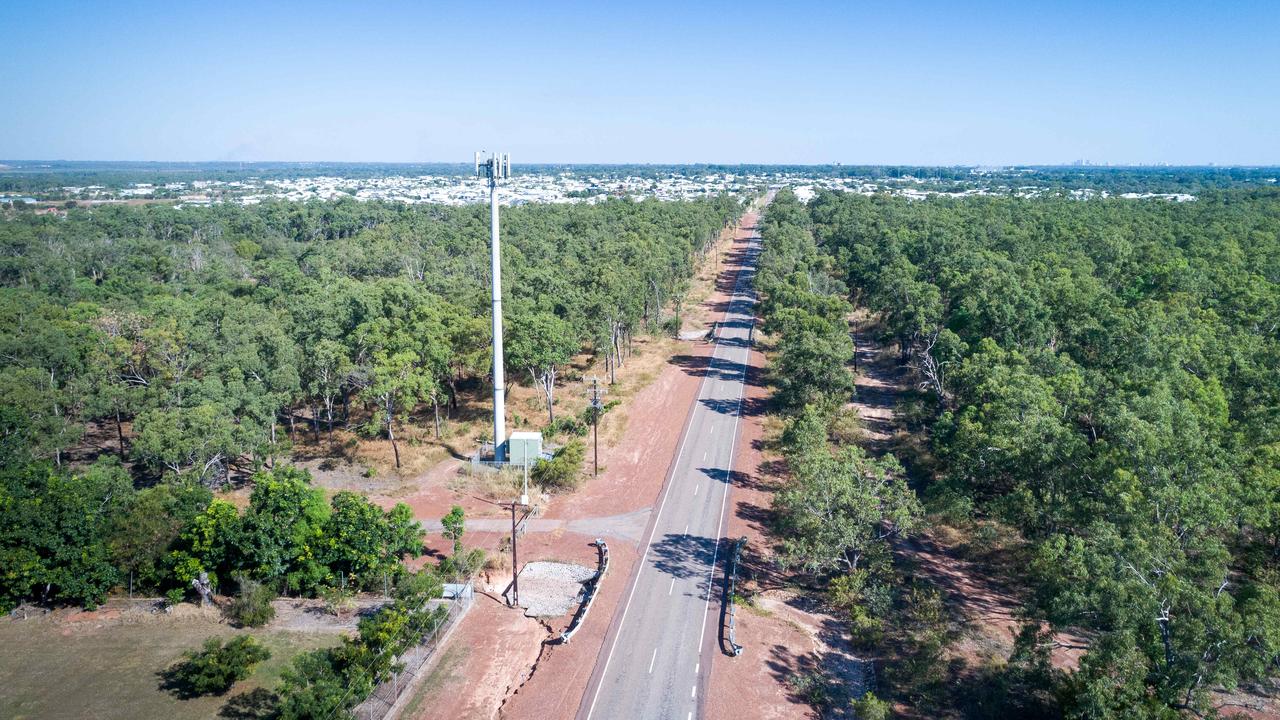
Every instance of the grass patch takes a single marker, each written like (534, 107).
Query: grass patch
(445, 669)
(111, 668)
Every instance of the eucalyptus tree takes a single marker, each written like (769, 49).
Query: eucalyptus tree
(1106, 386)
(541, 344)
(403, 345)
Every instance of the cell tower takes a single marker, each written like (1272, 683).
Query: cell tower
(495, 167)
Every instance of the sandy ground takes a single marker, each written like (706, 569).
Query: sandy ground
(490, 654)
(310, 615)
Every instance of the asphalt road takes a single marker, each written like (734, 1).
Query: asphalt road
(656, 656)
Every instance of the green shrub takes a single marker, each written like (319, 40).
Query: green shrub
(845, 426)
(327, 683)
(457, 568)
(251, 607)
(319, 685)
(865, 601)
(569, 426)
(561, 472)
(216, 667)
(812, 687)
(950, 503)
(413, 588)
(338, 600)
(870, 707)
(247, 249)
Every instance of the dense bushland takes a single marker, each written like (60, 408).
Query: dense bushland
(72, 537)
(839, 507)
(1103, 377)
(205, 339)
(215, 331)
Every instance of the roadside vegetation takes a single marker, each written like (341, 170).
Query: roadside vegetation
(838, 507)
(162, 368)
(1096, 388)
(196, 345)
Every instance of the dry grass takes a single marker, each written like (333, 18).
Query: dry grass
(446, 667)
(697, 312)
(492, 485)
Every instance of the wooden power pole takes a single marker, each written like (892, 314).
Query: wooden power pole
(597, 407)
(515, 558)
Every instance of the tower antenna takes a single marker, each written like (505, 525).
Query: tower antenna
(495, 167)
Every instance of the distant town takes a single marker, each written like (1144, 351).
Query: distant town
(21, 184)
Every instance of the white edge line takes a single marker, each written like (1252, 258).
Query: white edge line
(737, 416)
(715, 554)
(604, 674)
(679, 454)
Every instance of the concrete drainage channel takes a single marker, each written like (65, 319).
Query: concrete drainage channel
(589, 591)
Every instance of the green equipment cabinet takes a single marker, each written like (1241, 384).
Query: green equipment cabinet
(524, 447)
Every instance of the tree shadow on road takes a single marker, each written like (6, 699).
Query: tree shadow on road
(684, 556)
(745, 407)
(718, 474)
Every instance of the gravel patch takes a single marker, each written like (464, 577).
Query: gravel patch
(551, 589)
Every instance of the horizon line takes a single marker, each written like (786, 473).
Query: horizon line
(1058, 165)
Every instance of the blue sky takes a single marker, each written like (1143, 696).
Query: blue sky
(773, 82)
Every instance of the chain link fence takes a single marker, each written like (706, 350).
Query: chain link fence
(381, 703)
